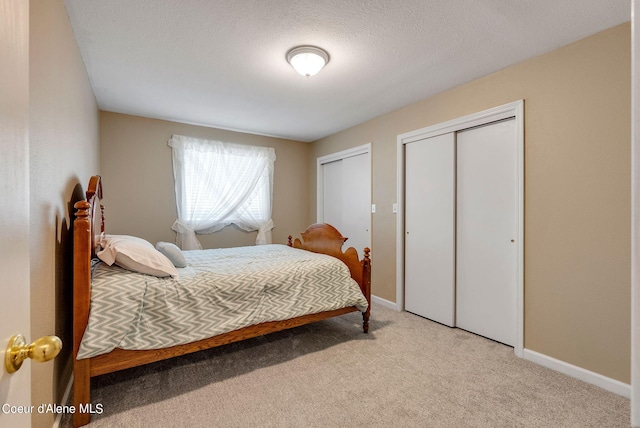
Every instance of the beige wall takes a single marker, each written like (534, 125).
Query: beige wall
(577, 192)
(135, 163)
(63, 153)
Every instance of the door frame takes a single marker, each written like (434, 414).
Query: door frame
(515, 110)
(354, 151)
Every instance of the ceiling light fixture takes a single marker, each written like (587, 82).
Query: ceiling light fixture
(307, 60)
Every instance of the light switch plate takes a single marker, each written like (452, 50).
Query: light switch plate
(373, 208)
(394, 208)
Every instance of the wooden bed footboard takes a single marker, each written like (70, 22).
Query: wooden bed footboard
(325, 239)
(88, 226)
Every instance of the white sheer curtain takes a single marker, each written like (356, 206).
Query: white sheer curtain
(218, 184)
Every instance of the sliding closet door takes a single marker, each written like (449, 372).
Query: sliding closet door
(347, 199)
(486, 255)
(356, 202)
(332, 193)
(429, 228)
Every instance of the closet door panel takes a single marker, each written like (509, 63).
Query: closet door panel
(356, 202)
(486, 254)
(429, 228)
(332, 194)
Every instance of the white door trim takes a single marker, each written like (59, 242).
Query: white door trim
(354, 151)
(15, 388)
(514, 109)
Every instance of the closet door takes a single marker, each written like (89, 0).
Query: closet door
(429, 228)
(486, 255)
(332, 194)
(356, 202)
(347, 199)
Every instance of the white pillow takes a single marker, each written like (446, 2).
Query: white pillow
(173, 253)
(135, 254)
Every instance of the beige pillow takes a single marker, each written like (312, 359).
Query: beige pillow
(136, 254)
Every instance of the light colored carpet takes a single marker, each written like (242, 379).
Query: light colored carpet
(407, 372)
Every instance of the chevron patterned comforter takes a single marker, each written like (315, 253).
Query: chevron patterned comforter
(219, 291)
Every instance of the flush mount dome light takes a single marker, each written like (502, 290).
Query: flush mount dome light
(307, 60)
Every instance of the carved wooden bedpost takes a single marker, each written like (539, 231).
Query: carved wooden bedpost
(366, 278)
(81, 298)
(101, 216)
(84, 236)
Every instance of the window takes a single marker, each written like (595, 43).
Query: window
(205, 202)
(218, 184)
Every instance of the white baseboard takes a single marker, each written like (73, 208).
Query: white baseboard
(65, 399)
(593, 378)
(386, 303)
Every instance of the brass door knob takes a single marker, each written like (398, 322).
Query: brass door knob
(44, 349)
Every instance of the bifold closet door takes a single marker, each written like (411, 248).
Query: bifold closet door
(429, 228)
(486, 252)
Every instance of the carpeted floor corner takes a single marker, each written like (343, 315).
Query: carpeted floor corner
(407, 372)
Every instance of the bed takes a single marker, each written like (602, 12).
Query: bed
(322, 244)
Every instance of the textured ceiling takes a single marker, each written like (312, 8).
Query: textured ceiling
(221, 63)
